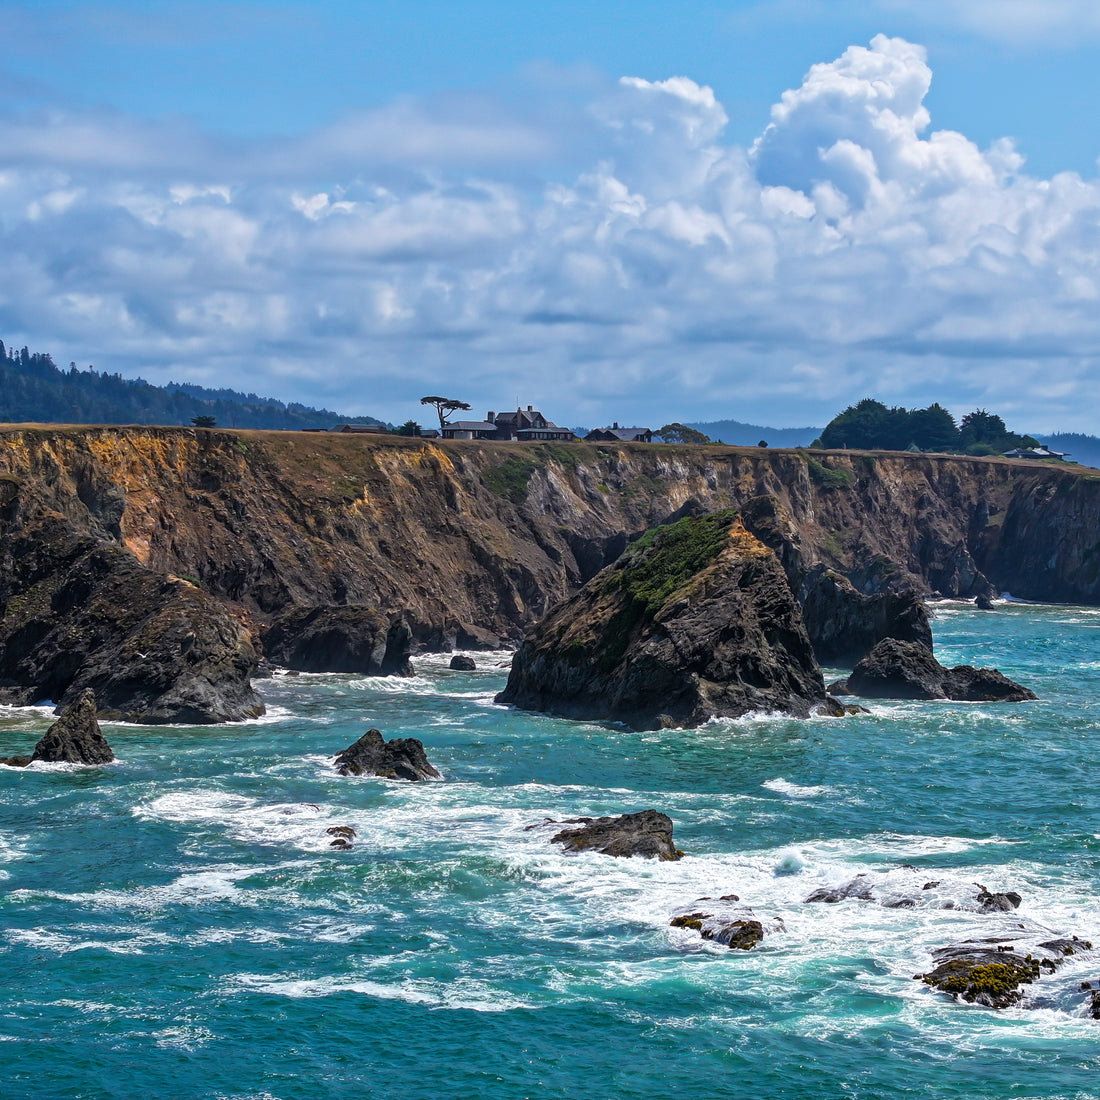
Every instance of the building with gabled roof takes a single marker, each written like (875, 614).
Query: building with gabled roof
(615, 434)
(470, 429)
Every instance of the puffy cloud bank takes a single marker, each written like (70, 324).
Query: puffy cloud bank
(609, 259)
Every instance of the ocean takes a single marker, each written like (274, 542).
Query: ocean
(176, 924)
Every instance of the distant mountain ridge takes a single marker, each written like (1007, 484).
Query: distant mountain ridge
(739, 434)
(34, 390)
(1079, 448)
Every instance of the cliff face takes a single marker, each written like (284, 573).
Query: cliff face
(474, 539)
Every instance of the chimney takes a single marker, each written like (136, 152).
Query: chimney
(489, 417)
(615, 426)
(530, 408)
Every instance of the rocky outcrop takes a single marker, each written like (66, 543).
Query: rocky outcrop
(80, 612)
(695, 620)
(908, 670)
(401, 758)
(340, 639)
(75, 738)
(993, 972)
(462, 663)
(723, 921)
(475, 541)
(647, 833)
(905, 888)
(342, 835)
(845, 624)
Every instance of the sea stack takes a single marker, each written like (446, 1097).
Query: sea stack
(401, 758)
(907, 670)
(695, 620)
(75, 738)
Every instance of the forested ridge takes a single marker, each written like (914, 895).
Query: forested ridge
(33, 389)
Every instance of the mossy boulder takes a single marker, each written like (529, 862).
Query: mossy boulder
(695, 620)
(723, 921)
(994, 972)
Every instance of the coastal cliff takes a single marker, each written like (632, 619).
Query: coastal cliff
(468, 543)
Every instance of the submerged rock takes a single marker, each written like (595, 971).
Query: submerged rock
(340, 639)
(907, 670)
(343, 836)
(860, 888)
(647, 833)
(723, 921)
(695, 620)
(907, 888)
(401, 758)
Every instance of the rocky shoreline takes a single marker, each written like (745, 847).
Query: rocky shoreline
(159, 566)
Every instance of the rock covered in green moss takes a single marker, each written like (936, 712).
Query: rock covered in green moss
(722, 920)
(695, 620)
(994, 972)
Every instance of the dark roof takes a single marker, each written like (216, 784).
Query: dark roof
(627, 435)
(470, 426)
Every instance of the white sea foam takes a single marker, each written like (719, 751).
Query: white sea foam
(63, 944)
(189, 1038)
(461, 993)
(299, 824)
(792, 790)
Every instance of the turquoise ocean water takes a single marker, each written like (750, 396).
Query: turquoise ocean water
(176, 925)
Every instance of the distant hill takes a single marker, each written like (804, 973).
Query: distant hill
(748, 435)
(33, 389)
(1079, 448)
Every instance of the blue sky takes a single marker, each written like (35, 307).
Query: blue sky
(638, 212)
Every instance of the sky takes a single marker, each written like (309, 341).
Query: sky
(637, 212)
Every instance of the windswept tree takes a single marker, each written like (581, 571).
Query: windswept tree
(444, 406)
(204, 421)
(681, 433)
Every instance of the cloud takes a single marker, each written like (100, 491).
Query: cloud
(852, 250)
(1017, 22)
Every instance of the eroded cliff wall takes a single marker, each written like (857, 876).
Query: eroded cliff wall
(485, 537)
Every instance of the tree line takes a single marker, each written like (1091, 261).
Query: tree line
(870, 425)
(34, 389)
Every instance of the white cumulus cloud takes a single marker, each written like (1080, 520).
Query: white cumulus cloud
(625, 261)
